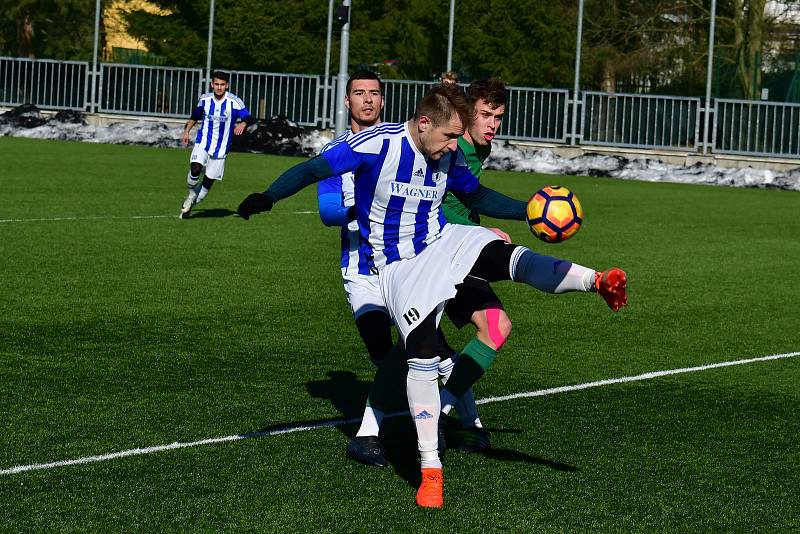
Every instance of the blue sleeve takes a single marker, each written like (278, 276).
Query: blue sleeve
(330, 185)
(460, 179)
(197, 114)
(329, 202)
(331, 210)
(342, 158)
(243, 114)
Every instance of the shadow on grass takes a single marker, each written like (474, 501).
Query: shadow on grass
(210, 213)
(348, 396)
(508, 455)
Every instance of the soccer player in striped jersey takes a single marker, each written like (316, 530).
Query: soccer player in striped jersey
(401, 173)
(335, 198)
(222, 115)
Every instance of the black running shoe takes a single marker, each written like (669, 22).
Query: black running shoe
(472, 439)
(367, 450)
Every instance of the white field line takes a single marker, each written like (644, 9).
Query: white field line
(112, 217)
(337, 422)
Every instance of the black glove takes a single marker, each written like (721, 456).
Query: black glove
(254, 203)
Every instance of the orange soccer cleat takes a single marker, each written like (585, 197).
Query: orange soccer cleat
(612, 285)
(430, 491)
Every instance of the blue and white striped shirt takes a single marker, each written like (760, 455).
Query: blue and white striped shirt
(218, 120)
(398, 192)
(342, 188)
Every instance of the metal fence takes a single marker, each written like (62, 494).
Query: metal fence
(44, 83)
(532, 114)
(143, 90)
(756, 128)
(295, 96)
(401, 97)
(536, 115)
(640, 121)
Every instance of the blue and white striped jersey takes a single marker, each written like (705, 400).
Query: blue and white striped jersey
(353, 259)
(218, 120)
(398, 192)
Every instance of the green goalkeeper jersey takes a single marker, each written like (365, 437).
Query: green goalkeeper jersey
(454, 211)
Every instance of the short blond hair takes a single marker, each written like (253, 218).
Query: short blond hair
(441, 102)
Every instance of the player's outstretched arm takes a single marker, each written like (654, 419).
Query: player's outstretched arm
(331, 211)
(287, 184)
(489, 202)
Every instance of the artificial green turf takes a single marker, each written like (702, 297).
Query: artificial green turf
(119, 332)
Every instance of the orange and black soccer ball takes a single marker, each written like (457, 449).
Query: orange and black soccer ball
(554, 214)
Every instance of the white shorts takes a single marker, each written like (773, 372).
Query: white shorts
(415, 287)
(363, 294)
(215, 167)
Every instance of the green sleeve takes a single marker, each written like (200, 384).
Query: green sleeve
(455, 212)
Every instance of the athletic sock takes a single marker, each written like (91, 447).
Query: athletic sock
(446, 398)
(192, 180)
(549, 274)
(423, 402)
(465, 405)
(446, 367)
(370, 422)
(472, 363)
(388, 392)
(201, 195)
(191, 196)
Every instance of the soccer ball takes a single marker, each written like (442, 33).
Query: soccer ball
(554, 214)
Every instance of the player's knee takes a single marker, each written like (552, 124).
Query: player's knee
(424, 344)
(195, 169)
(494, 325)
(375, 329)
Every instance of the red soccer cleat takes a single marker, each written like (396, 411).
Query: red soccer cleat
(430, 491)
(612, 285)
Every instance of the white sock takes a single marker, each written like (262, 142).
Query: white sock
(549, 274)
(422, 389)
(446, 400)
(465, 406)
(201, 195)
(446, 368)
(192, 180)
(370, 422)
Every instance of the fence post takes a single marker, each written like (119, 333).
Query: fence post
(94, 56)
(576, 87)
(709, 66)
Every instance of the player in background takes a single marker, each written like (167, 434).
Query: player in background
(488, 101)
(401, 173)
(336, 202)
(449, 76)
(223, 115)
